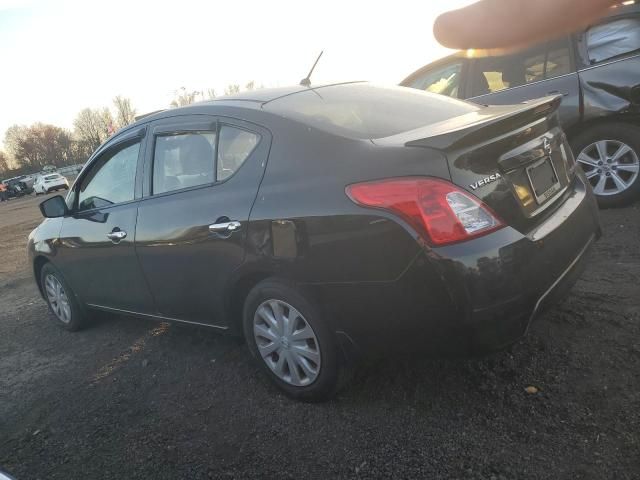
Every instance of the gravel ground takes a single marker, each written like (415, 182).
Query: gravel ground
(131, 399)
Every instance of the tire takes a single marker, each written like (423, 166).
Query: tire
(319, 381)
(76, 317)
(611, 171)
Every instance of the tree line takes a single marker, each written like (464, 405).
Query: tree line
(29, 148)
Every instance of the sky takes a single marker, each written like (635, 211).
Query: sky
(60, 56)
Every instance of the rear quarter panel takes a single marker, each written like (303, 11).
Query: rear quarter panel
(304, 226)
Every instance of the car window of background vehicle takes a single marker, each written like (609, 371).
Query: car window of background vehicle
(613, 39)
(492, 74)
(111, 179)
(445, 80)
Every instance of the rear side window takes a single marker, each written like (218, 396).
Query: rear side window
(612, 39)
(444, 80)
(51, 177)
(365, 111)
(185, 160)
(493, 74)
(234, 148)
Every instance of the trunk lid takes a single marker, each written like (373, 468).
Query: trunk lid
(515, 158)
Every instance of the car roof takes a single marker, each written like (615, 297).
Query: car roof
(253, 99)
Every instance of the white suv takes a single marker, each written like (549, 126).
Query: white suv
(50, 182)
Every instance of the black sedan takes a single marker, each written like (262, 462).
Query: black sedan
(325, 223)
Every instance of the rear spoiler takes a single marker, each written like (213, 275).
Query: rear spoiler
(471, 128)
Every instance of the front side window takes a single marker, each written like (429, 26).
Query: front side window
(111, 179)
(183, 160)
(609, 40)
(493, 74)
(444, 80)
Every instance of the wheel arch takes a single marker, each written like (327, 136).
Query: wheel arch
(239, 290)
(38, 263)
(581, 127)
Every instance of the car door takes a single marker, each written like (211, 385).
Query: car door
(202, 177)
(543, 70)
(96, 251)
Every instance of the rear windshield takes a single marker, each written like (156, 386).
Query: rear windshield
(362, 110)
(52, 177)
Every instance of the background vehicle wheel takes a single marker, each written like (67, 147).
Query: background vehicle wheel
(65, 310)
(610, 157)
(295, 348)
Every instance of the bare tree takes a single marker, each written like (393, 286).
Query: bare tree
(4, 163)
(232, 89)
(93, 126)
(184, 97)
(33, 147)
(251, 85)
(125, 114)
(211, 93)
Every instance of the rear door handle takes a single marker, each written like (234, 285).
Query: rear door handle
(225, 227)
(558, 92)
(116, 235)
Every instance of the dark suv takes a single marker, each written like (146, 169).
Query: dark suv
(598, 74)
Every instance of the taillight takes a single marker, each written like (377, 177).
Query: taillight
(439, 211)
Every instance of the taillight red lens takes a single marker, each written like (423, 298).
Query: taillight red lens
(439, 211)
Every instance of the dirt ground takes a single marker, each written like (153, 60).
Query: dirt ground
(131, 399)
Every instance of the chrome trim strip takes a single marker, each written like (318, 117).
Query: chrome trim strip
(156, 317)
(591, 67)
(560, 278)
(528, 85)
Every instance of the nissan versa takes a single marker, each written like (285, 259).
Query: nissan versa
(325, 223)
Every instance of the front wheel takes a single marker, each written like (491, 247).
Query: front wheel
(609, 154)
(64, 308)
(286, 333)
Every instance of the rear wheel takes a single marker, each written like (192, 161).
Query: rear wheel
(610, 157)
(64, 308)
(285, 332)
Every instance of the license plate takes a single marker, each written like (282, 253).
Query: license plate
(543, 179)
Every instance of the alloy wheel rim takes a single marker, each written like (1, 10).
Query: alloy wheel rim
(611, 166)
(58, 299)
(287, 343)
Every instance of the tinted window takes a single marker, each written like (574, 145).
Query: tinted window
(612, 39)
(443, 80)
(51, 177)
(365, 111)
(493, 74)
(111, 178)
(235, 146)
(183, 160)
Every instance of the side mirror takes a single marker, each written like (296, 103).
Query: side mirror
(54, 207)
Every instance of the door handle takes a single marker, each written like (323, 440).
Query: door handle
(116, 235)
(558, 92)
(225, 227)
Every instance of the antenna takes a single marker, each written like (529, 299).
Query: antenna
(306, 81)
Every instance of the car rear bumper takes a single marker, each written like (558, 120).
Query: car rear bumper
(477, 296)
